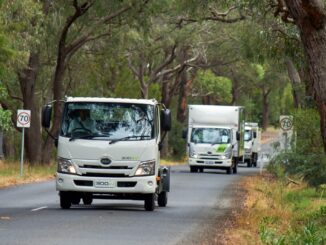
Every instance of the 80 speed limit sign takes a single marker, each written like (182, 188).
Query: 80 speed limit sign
(23, 118)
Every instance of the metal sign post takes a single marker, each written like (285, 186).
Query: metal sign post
(286, 123)
(23, 121)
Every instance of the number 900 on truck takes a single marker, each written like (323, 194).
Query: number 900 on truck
(109, 148)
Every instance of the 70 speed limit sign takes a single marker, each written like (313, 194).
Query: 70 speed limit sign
(286, 122)
(23, 118)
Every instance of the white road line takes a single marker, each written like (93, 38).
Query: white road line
(40, 208)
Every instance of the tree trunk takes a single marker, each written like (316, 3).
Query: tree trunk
(27, 79)
(310, 17)
(265, 109)
(58, 93)
(206, 99)
(183, 94)
(235, 90)
(295, 81)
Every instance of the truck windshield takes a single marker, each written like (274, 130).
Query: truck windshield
(247, 135)
(211, 135)
(113, 121)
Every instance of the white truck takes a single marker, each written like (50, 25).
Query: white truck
(214, 137)
(251, 144)
(114, 153)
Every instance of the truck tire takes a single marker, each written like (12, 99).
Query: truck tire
(65, 199)
(235, 168)
(229, 170)
(193, 169)
(162, 199)
(87, 199)
(249, 162)
(75, 198)
(149, 203)
(201, 170)
(255, 159)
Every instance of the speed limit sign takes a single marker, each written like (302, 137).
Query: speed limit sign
(23, 118)
(286, 122)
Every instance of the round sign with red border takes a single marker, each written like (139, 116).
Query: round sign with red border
(23, 118)
(286, 123)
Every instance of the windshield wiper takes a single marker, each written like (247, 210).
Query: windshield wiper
(130, 137)
(88, 136)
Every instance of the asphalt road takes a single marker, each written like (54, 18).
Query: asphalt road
(31, 214)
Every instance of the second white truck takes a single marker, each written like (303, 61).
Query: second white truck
(215, 137)
(251, 144)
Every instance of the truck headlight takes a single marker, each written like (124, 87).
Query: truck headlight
(194, 155)
(66, 166)
(228, 153)
(146, 168)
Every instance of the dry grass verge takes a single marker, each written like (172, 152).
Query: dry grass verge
(10, 173)
(276, 212)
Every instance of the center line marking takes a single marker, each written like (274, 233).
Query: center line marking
(37, 209)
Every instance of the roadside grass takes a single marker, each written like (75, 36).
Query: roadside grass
(10, 173)
(280, 212)
(172, 162)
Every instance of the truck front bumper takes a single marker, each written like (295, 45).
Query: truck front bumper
(137, 185)
(211, 163)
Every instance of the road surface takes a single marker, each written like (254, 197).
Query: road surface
(30, 214)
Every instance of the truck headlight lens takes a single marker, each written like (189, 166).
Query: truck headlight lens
(66, 166)
(146, 168)
(194, 155)
(228, 152)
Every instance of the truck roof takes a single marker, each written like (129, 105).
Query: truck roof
(228, 116)
(112, 100)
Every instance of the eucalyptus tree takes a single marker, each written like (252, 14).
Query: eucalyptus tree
(50, 33)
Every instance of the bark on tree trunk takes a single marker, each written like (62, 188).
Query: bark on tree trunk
(310, 18)
(185, 88)
(27, 79)
(235, 90)
(183, 94)
(58, 93)
(265, 109)
(295, 81)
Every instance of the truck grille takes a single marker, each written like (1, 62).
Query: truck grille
(115, 169)
(104, 175)
(101, 167)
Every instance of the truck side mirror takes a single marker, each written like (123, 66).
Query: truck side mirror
(46, 116)
(238, 136)
(166, 120)
(184, 133)
(255, 135)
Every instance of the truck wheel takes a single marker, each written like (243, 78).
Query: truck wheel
(201, 170)
(235, 168)
(75, 199)
(87, 199)
(149, 202)
(162, 199)
(255, 159)
(249, 163)
(193, 169)
(229, 170)
(65, 200)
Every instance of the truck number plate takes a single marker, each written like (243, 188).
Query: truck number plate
(104, 183)
(210, 162)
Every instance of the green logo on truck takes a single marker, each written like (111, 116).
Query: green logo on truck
(221, 148)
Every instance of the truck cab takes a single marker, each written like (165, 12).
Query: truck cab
(109, 149)
(213, 137)
(251, 144)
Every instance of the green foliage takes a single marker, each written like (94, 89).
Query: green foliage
(306, 157)
(218, 87)
(5, 120)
